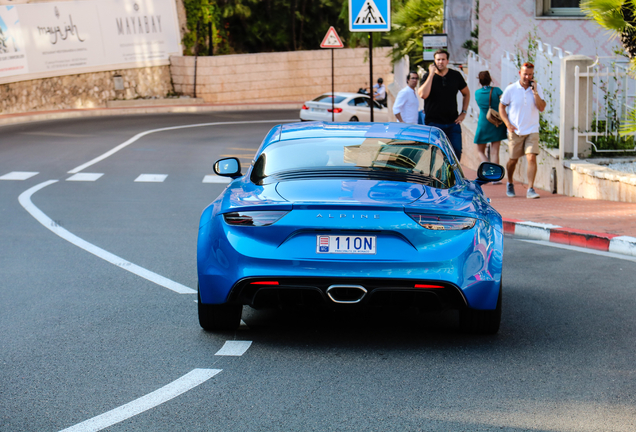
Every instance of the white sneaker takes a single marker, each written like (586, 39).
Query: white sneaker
(532, 194)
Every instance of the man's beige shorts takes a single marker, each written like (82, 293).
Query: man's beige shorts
(522, 144)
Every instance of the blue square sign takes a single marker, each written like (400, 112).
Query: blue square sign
(369, 15)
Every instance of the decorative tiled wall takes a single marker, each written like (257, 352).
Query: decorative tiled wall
(504, 25)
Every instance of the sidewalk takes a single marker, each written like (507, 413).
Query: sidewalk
(596, 224)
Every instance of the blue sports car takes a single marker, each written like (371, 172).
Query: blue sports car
(348, 215)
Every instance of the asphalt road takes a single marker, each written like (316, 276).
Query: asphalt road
(88, 343)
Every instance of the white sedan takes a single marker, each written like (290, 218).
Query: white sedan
(347, 107)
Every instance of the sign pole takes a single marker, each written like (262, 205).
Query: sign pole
(332, 40)
(371, 73)
(333, 96)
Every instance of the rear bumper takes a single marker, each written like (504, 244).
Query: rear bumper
(469, 262)
(298, 292)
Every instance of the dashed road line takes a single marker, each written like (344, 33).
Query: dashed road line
(234, 348)
(25, 201)
(89, 177)
(187, 382)
(18, 175)
(216, 179)
(151, 178)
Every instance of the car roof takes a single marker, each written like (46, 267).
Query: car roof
(405, 131)
(346, 94)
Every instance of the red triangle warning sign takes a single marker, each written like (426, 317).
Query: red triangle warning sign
(331, 40)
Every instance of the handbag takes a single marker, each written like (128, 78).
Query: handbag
(493, 116)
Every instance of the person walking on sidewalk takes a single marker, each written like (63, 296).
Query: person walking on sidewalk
(439, 92)
(523, 101)
(488, 97)
(406, 104)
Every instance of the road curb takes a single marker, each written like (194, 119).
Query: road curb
(556, 234)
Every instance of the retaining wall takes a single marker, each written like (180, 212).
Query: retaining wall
(287, 76)
(89, 90)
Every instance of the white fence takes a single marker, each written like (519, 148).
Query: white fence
(611, 97)
(475, 65)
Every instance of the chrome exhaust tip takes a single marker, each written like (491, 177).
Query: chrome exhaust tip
(346, 294)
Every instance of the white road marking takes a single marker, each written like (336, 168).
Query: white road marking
(580, 249)
(85, 177)
(25, 201)
(143, 134)
(234, 348)
(216, 179)
(56, 134)
(18, 175)
(144, 403)
(151, 178)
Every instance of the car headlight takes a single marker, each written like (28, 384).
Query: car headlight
(253, 218)
(443, 223)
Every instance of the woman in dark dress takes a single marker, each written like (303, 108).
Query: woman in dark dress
(486, 131)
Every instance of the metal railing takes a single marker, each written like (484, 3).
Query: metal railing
(611, 97)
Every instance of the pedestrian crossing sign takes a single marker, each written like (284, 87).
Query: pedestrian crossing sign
(369, 15)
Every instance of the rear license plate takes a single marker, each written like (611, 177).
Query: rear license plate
(346, 244)
(320, 110)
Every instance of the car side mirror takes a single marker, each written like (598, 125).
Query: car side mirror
(228, 167)
(489, 172)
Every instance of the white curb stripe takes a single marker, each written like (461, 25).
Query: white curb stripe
(533, 230)
(234, 348)
(25, 201)
(144, 403)
(623, 245)
(143, 134)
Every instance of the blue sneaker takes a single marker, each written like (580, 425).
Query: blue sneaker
(510, 190)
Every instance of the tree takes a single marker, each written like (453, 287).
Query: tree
(415, 19)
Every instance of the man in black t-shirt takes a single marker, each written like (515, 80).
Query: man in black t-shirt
(439, 91)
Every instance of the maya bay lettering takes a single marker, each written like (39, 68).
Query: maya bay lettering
(56, 32)
(139, 25)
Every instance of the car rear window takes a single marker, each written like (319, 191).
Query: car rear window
(412, 159)
(327, 99)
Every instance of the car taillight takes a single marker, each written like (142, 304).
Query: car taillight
(443, 223)
(305, 107)
(427, 286)
(253, 218)
(335, 110)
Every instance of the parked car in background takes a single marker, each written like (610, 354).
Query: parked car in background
(347, 107)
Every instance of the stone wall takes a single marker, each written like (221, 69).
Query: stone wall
(90, 90)
(274, 77)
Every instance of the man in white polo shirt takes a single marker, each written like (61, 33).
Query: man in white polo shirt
(524, 101)
(406, 106)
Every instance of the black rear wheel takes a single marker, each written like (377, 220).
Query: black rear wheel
(481, 321)
(219, 317)
(353, 119)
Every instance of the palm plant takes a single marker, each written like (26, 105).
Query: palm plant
(619, 17)
(415, 19)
